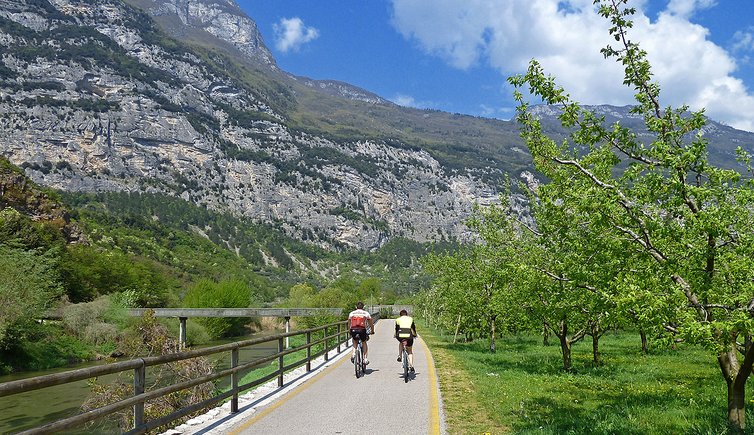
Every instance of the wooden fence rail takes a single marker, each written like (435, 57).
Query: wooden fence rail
(334, 335)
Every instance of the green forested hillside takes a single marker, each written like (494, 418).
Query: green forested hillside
(199, 243)
(78, 257)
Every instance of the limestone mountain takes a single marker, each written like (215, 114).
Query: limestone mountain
(182, 97)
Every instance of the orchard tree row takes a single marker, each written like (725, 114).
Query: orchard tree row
(625, 230)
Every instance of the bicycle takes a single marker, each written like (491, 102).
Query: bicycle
(404, 359)
(358, 360)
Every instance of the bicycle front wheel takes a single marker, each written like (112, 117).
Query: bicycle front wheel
(405, 366)
(357, 363)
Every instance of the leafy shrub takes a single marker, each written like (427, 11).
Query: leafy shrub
(28, 289)
(77, 317)
(52, 349)
(96, 322)
(90, 272)
(99, 333)
(151, 338)
(225, 294)
(17, 230)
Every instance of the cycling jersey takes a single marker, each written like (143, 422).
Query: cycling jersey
(404, 327)
(359, 319)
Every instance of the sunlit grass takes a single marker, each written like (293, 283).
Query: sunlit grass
(522, 388)
(269, 368)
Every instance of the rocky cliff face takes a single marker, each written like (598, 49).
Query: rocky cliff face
(182, 97)
(94, 97)
(222, 19)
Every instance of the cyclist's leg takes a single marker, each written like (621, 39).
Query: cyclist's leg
(400, 348)
(364, 340)
(410, 351)
(355, 342)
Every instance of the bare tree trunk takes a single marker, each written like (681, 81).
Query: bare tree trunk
(458, 326)
(493, 349)
(735, 377)
(736, 406)
(565, 346)
(597, 358)
(644, 348)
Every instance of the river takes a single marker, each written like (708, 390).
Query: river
(23, 411)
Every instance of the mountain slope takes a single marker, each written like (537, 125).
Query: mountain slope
(181, 97)
(97, 98)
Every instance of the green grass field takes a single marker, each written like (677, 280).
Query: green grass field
(522, 388)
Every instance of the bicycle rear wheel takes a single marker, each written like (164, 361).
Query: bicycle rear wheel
(358, 362)
(405, 365)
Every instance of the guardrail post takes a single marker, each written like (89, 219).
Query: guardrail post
(280, 363)
(308, 351)
(234, 380)
(182, 332)
(338, 339)
(287, 330)
(324, 335)
(140, 380)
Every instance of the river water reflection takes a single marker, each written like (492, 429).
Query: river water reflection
(23, 411)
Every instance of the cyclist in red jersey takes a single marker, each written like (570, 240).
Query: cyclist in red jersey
(358, 320)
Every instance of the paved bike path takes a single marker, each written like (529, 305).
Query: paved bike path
(335, 402)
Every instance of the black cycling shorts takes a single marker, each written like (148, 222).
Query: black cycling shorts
(359, 334)
(409, 340)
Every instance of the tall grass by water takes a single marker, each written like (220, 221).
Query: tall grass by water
(522, 388)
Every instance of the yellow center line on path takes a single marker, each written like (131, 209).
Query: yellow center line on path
(245, 425)
(434, 402)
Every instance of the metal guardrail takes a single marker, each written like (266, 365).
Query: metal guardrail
(235, 312)
(139, 366)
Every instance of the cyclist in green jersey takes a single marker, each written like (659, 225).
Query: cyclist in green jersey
(405, 329)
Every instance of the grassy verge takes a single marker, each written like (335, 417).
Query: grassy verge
(50, 346)
(465, 411)
(522, 389)
(272, 366)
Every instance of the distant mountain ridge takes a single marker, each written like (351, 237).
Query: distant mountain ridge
(182, 97)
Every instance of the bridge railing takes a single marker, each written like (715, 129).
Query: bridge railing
(333, 336)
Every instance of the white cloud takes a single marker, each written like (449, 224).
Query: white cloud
(291, 34)
(566, 37)
(404, 100)
(743, 40)
(687, 8)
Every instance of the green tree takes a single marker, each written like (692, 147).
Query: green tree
(29, 288)
(579, 261)
(692, 219)
(90, 272)
(475, 284)
(301, 295)
(370, 291)
(223, 294)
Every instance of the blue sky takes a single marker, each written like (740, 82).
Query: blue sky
(455, 55)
